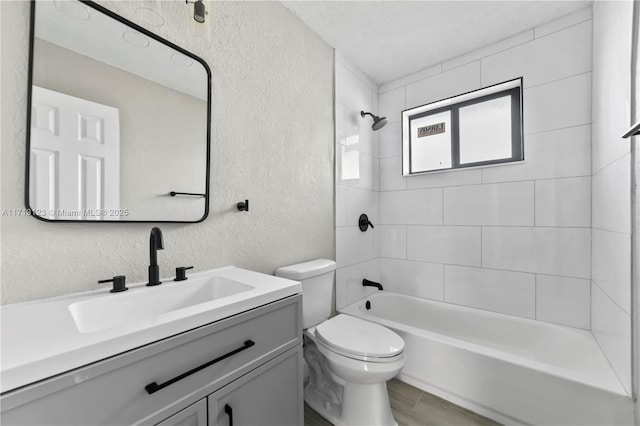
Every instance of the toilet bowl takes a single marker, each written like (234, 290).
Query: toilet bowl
(349, 359)
(359, 372)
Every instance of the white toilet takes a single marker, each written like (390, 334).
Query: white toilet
(349, 359)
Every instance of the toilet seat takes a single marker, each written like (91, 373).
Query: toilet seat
(359, 339)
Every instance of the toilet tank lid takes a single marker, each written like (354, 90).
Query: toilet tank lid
(301, 271)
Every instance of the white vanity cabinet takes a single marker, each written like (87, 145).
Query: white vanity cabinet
(251, 361)
(193, 415)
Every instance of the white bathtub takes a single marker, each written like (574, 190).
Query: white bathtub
(511, 369)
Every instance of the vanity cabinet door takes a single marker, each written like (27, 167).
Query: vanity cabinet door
(193, 415)
(270, 395)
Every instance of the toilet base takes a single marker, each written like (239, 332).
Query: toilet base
(357, 407)
(341, 402)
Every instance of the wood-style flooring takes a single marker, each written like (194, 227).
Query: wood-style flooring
(413, 407)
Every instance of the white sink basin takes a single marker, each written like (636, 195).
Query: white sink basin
(146, 304)
(47, 337)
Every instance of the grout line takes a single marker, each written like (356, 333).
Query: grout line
(483, 267)
(563, 28)
(610, 298)
(535, 296)
(611, 231)
(591, 284)
(533, 179)
(436, 225)
(534, 203)
(601, 169)
(615, 372)
(557, 80)
(444, 281)
(559, 128)
(481, 247)
(442, 201)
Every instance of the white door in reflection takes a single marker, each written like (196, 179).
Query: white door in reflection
(74, 158)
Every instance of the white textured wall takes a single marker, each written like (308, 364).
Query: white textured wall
(611, 167)
(272, 142)
(514, 239)
(357, 182)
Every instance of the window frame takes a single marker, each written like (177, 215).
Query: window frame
(512, 88)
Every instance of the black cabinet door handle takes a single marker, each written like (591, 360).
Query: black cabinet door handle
(229, 411)
(154, 387)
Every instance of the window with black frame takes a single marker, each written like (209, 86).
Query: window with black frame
(478, 128)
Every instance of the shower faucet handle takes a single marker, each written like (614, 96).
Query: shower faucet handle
(364, 223)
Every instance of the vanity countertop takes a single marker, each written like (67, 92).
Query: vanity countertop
(47, 337)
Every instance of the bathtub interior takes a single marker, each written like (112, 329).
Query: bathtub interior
(561, 351)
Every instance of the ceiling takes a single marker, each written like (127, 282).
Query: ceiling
(390, 39)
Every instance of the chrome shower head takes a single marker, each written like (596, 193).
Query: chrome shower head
(378, 122)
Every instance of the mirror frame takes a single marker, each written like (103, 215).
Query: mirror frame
(113, 15)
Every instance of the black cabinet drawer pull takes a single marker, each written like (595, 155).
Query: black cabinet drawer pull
(154, 387)
(229, 411)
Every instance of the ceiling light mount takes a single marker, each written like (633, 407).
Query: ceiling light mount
(199, 11)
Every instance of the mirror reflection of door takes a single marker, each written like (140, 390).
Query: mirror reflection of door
(74, 158)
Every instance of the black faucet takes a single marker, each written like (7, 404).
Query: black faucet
(155, 244)
(367, 283)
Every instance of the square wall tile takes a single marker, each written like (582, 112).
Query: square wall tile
(552, 251)
(391, 140)
(611, 265)
(612, 196)
(552, 154)
(354, 276)
(417, 207)
(353, 246)
(444, 179)
(457, 245)
(358, 133)
(564, 301)
(611, 327)
(504, 204)
(559, 104)
(441, 86)
(354, 168)
(612, 37)
(341, 205)
(391, 104)
(511, 293)
(341, 288)
(569, 51)
(391, 178)
(564, 202)
(391, 240)
(418, 279)
(361, 201)
(350, 90)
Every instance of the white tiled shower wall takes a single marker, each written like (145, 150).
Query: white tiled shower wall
(611, 185)
(523, 239)
(514, 239)
(357, 181)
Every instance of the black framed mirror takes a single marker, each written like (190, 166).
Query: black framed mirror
(119, 120)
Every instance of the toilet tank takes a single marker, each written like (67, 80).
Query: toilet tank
(316, 277)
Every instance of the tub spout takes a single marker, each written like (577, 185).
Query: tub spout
(367, 283)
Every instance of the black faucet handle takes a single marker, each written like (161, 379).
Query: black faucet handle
(181, 273)
(119, 283)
